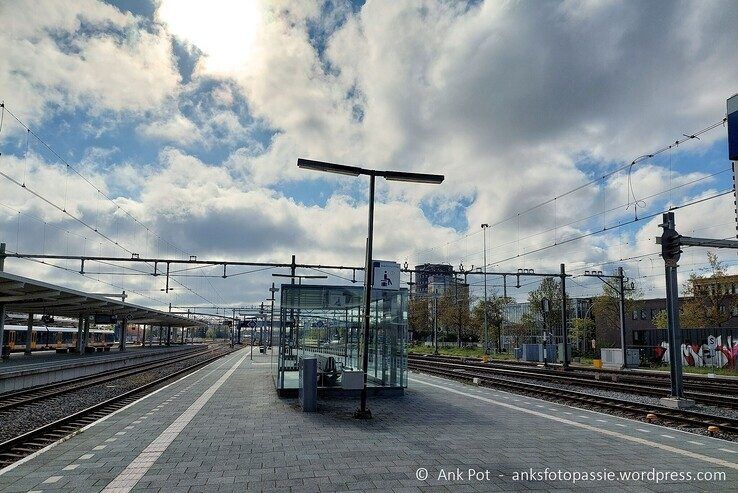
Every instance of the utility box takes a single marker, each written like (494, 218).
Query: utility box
(612, 358)
(352, 380)
(309, 385)
(531, 352)
(632, 358)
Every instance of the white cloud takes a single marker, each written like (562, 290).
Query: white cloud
(86, 55)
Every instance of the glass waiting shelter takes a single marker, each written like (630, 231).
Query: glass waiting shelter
(326, 322)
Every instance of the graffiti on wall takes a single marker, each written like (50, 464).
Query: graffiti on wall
(724, 355)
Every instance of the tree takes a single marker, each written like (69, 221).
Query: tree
(582, 329)
(550, 289)
(420, 319)
(708, 301)
(495, 306)
(453, 312)
(606, 313)
(712, 299)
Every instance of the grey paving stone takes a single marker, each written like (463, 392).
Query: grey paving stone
(247, 439)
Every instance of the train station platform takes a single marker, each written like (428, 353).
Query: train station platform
(20, 360)
(223, 428)
(43, 367)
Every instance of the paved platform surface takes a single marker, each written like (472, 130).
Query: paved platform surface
(223, 429)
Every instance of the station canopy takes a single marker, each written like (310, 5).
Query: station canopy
(24, 295)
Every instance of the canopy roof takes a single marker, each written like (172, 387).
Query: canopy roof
(25, 295)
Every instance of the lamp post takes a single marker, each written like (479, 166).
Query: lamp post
(363, 412)
(272, 290)
(484, 269)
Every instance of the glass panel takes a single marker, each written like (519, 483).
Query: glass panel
(326, 321)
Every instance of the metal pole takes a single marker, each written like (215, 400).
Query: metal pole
(169, 335)
(80, 332)
(486, 329)
(143, 338)
(435, 321)
(271, 323)
(2, 326)
(363, 412)
(622, 313)
(86, 335)
(458, 312)
(29, 335)
(123, 330)
(672, 310)
(564, 317)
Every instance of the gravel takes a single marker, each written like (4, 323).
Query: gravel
(29, 417)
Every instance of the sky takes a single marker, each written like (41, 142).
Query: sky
(173, 128)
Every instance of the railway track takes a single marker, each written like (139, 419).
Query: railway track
(663, 415)
(23, 445)
(15, 399)
(723, 394)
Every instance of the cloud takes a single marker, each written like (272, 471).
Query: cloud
(513, 104)
(82, 55)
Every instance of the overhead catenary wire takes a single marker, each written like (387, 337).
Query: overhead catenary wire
(83, 177)
(628, 166)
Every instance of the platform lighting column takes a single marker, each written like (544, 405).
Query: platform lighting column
(273, 290)
(169, 335)
(143, 337)
(29, 335)
(363, 412)
(484, 269)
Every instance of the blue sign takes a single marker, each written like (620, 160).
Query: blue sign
(733, 128)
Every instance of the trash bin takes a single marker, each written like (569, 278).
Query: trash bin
(309, 384)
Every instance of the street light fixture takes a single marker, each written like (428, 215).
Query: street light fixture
(342, 169)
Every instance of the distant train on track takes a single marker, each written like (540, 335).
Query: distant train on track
(59, 338)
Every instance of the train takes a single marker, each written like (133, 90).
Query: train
(60, 338)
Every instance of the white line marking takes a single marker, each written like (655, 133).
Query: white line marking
(642, 430)
(642, 441)
(53, 479)
(695, 443)
(105, 418)
(121, 433)
(729, 451)
(71, 467)
(620, 425)
(600, 420)
(111, 440)
(582, 416)
(99, 447)
(127, 479)
(667, 436)
(86, 456)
